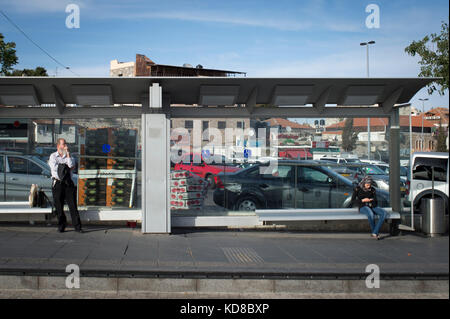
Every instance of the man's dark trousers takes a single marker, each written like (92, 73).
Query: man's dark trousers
(66, 191)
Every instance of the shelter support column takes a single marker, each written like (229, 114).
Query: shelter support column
(394, 160)
(155, 166)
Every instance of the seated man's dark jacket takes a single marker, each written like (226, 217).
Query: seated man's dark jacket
(359, 194)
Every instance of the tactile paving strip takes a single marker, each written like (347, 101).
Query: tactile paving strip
(240, 255)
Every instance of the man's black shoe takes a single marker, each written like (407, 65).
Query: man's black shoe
(61, 230)
(79, 231)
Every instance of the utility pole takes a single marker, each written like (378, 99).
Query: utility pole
(366, 44)
(423, 114)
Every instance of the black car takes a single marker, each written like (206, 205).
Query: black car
(289, 184)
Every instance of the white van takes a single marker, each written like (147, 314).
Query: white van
(421, 177)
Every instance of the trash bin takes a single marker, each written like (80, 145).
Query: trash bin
(433, 220)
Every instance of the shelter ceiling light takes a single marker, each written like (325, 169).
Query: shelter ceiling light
(92, 94)
(362, 95)
(291, 94)
(218, 94)
(18, 95)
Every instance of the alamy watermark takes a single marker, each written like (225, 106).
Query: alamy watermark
(373, 279)
(224, 147)
(73, 279)
(373, 19)
(73, 19)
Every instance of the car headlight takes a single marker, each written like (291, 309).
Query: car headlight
(235, 188)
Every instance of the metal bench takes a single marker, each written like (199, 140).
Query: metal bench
(15, 210)
(325, 214)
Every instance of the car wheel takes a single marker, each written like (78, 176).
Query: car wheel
(212, 183)
(247, 204)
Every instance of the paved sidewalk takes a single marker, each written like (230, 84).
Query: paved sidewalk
(117, 251)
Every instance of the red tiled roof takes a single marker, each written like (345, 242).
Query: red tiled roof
(440, 112)
(435, 110)
(284, 123)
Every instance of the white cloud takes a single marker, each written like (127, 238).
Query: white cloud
(214, 17)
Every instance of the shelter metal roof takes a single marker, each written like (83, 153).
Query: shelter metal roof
(185, 90)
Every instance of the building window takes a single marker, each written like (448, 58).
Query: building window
(205, 125)
(188, 124)
(419, 145)
(240, 124)
(221, 124)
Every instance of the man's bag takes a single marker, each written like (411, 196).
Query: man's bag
(42, 200)
(38, 198)
(32, 198)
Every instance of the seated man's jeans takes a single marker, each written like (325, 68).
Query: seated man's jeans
(370, 213)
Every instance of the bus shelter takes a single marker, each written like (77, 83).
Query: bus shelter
(154, 101)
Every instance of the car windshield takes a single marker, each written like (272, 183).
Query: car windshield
(329, 159)
(404, 171)
(39, 161)
(372, 170)
(336, 175)
(385, 169)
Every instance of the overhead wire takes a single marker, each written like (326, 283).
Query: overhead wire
(37, 45)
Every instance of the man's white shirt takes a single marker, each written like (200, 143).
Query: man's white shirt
(56, 159)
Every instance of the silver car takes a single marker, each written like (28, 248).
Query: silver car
(21, 172)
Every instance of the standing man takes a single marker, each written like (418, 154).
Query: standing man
(64, 188)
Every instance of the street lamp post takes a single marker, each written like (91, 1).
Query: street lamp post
(366, 44)
(423, 114)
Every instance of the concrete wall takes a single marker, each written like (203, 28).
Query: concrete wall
(41, 286)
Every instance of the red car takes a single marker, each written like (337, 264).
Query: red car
(196, 164)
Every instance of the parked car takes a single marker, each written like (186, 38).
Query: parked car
(424, 163)
(44, 152)
(315, 186)
(339, 160)
(348, 172)
(196, 164)
(374, 162)
(21, 172)
(381, 180)
(405, 174)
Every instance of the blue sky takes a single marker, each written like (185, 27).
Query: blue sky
(281, 38)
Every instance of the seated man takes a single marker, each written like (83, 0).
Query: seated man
(365, 197)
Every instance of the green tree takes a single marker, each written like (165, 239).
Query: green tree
(433, 50)
(349, 137)
(39, 71)
(8, 56)
(8, 59)
(441, 137)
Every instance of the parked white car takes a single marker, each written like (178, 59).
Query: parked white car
(339, 160)
(421, 179)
